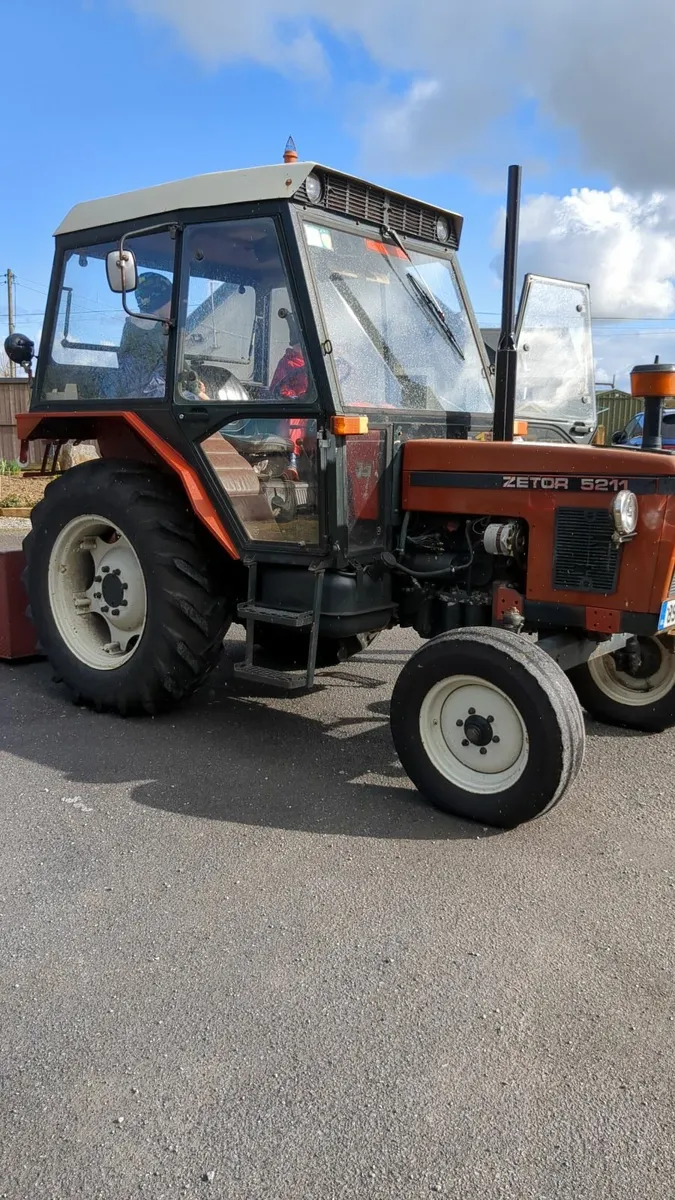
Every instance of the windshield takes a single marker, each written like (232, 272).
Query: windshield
(399, 330)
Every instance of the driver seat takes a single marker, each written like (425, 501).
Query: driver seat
(237, 479)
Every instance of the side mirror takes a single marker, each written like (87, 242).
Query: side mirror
(19, 349)
(122, 271)
(619, 438)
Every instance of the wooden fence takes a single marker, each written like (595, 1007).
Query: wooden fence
(15, 398)
(615, 409)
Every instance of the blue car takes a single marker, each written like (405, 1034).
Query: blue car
(632, 434)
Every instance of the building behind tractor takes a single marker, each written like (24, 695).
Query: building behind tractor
(299, 429)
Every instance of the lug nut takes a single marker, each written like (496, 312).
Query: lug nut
(125, 587)
(116, 571)
(115, 612)
(459, 724)
(104, 608)
(465, 742)
(483, 749)
(105, 570)
(495, 738)
(97, 595)
(472, 712)
(97, 578)
(123, 603)
(490, 720)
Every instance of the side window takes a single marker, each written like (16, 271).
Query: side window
(269, 470)
(240, 337)
(98, 351)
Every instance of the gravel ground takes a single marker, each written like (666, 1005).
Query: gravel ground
(13, 530)
(27, 490)
(241, 959)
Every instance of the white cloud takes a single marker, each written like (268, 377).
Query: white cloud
(623, 245)
(598, 69)
(619, 348)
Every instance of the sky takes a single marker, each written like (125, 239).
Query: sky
(434, 99)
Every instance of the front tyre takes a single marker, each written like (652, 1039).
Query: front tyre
(122, 588)
(487, 726)
(634, 687)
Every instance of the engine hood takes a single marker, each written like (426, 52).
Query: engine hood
(532, 459)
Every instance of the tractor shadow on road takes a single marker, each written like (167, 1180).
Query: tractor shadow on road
(323, 763)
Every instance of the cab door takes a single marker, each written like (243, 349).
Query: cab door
(244, 388)
(555, 380)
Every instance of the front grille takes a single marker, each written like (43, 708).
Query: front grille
(585, 559)
(352, 198)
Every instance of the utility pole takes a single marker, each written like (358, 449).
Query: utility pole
(10, 312)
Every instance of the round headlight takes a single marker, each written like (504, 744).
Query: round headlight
(625, 512)
(313, 188)
(442, 229)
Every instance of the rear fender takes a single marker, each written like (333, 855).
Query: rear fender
(126, 435)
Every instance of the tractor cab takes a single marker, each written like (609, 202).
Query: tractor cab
(251, 318)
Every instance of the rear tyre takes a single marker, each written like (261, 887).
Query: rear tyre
(487, 726)
(123, 588)
(635, 691)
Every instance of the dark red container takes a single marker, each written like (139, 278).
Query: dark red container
(17, 635)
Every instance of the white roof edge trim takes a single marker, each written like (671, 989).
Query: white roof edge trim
(245, 186)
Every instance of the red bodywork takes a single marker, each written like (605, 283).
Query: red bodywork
(529, 481)
(126, 434)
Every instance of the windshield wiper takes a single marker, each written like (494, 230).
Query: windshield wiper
(414, 393)
(425, 293)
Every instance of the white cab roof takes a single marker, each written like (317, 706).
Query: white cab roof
(279, 182)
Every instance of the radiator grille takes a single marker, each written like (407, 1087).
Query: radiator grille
(352, 198)
(585, 559)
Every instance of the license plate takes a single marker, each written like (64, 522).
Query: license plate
(667, 616)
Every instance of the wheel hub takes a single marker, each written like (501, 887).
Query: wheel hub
(474, 734)
(641, 661)
(112, 591)
(478, 730)
(97, 592)
(642, 674)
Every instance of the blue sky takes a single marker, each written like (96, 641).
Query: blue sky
(110, 95)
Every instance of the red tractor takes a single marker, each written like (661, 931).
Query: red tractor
(299, 429)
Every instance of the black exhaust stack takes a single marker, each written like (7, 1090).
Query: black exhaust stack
(507, 355)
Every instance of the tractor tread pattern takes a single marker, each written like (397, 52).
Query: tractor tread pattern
(188, 610)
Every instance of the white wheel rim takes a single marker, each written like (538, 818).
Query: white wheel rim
(626, 689)
(97, 592)
(461, 706)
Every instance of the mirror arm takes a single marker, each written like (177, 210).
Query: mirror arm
(174, 230)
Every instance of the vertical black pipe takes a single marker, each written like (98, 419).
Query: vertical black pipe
(507, 357)
(652, 423)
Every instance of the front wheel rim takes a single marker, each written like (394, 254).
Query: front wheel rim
(97, 592)
(474, 735)
(626, 689)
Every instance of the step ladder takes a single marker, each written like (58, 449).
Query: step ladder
(252, 611)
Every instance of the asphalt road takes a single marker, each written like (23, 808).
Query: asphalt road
(240, 959)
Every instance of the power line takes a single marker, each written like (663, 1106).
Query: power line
(26, 288)
(43, 287)
(597, 320)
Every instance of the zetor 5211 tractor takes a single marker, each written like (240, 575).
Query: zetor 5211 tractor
(299, 429)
